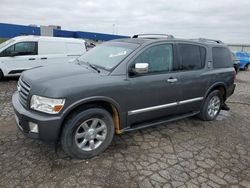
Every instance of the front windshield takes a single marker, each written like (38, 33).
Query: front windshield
(6, 43)
(107, 55)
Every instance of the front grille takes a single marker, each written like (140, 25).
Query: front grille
(24, 89)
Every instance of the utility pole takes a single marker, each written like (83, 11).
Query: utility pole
(113, 29)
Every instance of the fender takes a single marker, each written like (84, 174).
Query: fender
(90, 99)
(215, 85)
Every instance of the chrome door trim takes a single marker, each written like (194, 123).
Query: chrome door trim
(142, 110)
(191, 100)
(151, 108)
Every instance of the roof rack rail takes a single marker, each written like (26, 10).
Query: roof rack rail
(153, 36)
(208, 40)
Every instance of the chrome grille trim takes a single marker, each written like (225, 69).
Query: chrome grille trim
(23, 88)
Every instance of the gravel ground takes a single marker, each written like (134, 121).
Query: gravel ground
(186, 153)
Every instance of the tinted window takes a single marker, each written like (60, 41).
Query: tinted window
(22, 48)
(222, 57)
(26, 48)
(159, 58)
(192, 57)
(8, 51)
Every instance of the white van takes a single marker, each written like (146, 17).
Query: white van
(26, 52)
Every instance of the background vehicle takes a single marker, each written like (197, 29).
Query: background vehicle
(236, 63)
(244, 59)
(89, 45)
(120, 86)
(26, 52)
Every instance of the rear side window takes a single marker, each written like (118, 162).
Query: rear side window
(222, 57)
(192, 57)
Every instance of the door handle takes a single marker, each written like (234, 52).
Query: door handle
(32, 59)
(172, 80)
(44, 58)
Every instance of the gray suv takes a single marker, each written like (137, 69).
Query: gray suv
(120, 86)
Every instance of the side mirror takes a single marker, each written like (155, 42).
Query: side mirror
(141, 68)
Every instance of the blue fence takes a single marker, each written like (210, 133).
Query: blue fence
(11, 30)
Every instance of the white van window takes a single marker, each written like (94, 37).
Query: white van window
(46, 47)
(19, 49)
(75, 48)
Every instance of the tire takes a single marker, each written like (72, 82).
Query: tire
(81, 123)
(1, 75)
(206, 113)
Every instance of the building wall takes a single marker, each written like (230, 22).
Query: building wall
(11, 30)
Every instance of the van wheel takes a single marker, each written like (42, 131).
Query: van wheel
(211, 106)
(1, 75)
(87, 133)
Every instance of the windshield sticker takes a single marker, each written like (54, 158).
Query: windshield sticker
(118, 54)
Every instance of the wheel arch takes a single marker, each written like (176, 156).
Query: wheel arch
(217, 86)
(102, 102)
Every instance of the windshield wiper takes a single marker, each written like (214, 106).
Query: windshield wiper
(94, 67)
(89, 64)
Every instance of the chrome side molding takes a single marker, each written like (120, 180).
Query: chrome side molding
(142, 110)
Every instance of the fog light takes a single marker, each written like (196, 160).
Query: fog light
(33, 127)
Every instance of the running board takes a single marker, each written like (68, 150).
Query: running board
(160, 122)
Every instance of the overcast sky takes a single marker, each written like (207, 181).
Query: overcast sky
(228, 20)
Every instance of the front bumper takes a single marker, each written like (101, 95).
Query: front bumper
(48, 125)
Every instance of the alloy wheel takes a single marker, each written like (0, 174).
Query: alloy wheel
(213, 106)
(90, 134)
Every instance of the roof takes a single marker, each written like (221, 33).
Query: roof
(43, 38)
(141, 41)
(133, 40)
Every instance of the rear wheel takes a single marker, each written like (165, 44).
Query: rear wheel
(212, 106)
(87, 133)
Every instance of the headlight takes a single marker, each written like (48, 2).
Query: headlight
(47, 105)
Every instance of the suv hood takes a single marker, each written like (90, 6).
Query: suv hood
(60, 80)
(52, 72)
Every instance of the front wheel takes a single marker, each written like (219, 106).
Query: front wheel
(87, 133)
(212, 106)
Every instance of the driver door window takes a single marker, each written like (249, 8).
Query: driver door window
(159, 58)
(20, 49)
